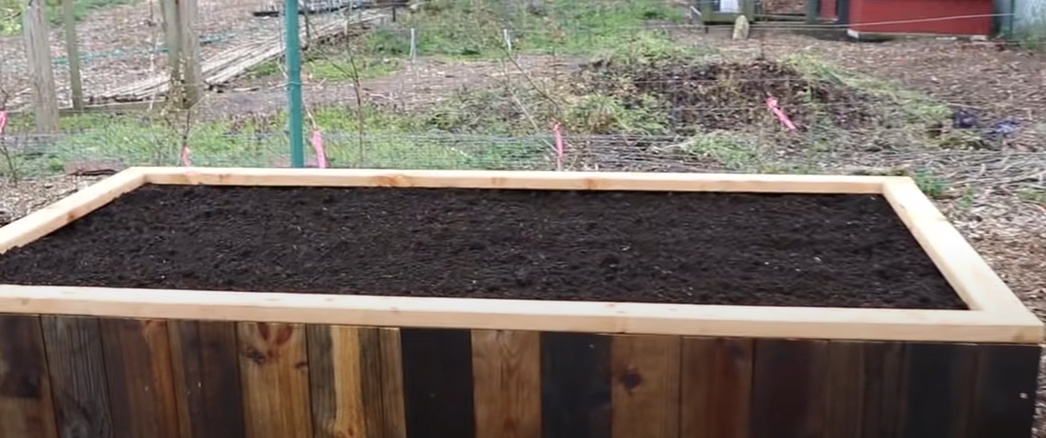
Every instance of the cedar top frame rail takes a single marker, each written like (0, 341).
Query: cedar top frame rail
(995, 315)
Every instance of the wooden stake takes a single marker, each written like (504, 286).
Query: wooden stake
(72, 54)
(38, 55)
(183, 51)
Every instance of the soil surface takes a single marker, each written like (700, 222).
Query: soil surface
(707, 248)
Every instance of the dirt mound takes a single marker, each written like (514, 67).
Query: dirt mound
(727, 95)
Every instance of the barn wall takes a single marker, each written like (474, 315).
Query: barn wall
(922, 16)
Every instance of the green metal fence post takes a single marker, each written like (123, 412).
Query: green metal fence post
(294, 105)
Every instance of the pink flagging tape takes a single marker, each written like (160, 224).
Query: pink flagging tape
(3, 121)
(558, 135)
(185, 157)
(771, 102)
(317, 146)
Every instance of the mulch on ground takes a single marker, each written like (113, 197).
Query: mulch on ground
(708, 248)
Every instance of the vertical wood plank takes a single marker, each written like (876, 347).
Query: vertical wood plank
(939, 390)
(845, 389)
(575, 385)
(788, 388)
(78, 383)
(335, 381)
(275, 379)
(1004, 403)
(141, 386)
(381, 366)
(645, 391)
(883, 389)
(437, 380)
(72, 54)
(36, 30)
(716, 387)
(506, 369)
(207, 379)
(26, 409)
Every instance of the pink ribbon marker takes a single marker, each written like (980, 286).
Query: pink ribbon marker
(185, 157)
(317, 146)
(3, 121)
(558, 135)
(771, 102)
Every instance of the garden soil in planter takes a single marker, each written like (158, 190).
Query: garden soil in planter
(653, 247)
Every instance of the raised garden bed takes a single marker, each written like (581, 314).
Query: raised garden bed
(341, 303)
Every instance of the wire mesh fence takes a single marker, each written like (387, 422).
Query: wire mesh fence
(619, 85)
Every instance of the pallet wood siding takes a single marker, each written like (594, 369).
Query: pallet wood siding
(126, 378)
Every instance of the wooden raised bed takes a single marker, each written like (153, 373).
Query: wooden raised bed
(162, 360)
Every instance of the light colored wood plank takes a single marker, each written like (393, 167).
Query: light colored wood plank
(381, 365)
(645, 386)
(635, 318)
(335, 379)
(691, 182)
(42, 222)
(275, 378)
(506, 369)
(973, 279)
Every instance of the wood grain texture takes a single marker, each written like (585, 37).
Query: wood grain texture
(845, 389)
(788, 382)
(437, 382)
(26, 409)
(335, 381)
(1004, 402)
(939, 390)
(78, 382)
(506, 368)
(275, 378)
(207, 379)
(381, 366)
(645, 386)
(884, 387)
(141, 383)
(716, 376)
(575, 385)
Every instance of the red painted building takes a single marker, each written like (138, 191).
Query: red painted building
(946, 17)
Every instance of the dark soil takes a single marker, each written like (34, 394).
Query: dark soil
(706, 248)
(729, 95)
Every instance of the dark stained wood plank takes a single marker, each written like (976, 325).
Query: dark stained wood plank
(26, 409)
(788, 388)
(78, 382)
(437, 382)
(506, 369)
(716, 389)
(207, 379)
(845, 389)
(335, 381)
(381, 367)
(884, 387)
(645, 390)
(275, 378)
(1004, 403)
(141, 383)
(939, 390)
(575, 385)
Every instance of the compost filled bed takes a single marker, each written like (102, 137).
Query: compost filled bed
(661, 247)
